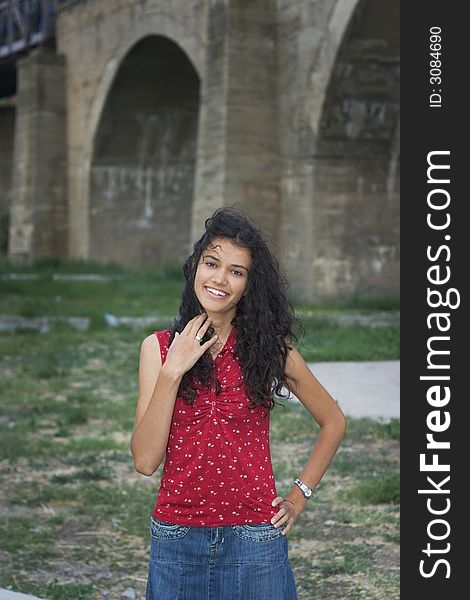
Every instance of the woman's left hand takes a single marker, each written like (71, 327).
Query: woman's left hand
(287, 513)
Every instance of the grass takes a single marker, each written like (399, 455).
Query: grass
(74, 514)
(368, 429)
(376, 490)
(66, 591)
(358, 305)
(79, 495)
(18, 535)
(54, 590)
(326, 340)
(127, 293)
(156, 293)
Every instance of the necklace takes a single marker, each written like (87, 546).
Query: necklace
(219, 345)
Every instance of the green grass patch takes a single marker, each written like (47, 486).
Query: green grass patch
(97, 473)
(326, 340)
(376, 490)
(127, 292)
(357, 304)
(292, 420)
(346, 560)
(370, 429)
(26, 537)
(51, 591)
(361, 463)
(14, 446)
(68, 591)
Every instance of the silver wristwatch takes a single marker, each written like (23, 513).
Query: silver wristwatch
(306, 491)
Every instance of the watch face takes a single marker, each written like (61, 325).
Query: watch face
(308, 493)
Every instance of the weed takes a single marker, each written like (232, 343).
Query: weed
(370, 429)
(347, 560)
(76, 416)
(28, 538)
(376, 490)
(98, 473)
(360, 463)
(326, 340)
(292, 421)
(68, 591)
(15, 445)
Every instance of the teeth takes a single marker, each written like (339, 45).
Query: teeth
(216, 292)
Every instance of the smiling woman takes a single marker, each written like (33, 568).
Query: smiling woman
(206, 388)
(220, 283)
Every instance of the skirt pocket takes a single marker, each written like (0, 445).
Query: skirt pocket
(257, 533)
(162, 530)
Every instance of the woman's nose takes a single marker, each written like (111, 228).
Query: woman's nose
(219, 277)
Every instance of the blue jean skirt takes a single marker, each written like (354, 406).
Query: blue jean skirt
(233, 562)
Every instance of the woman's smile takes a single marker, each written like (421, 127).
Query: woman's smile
(215, 292)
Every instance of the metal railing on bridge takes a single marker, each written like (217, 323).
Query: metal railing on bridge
(25, 23)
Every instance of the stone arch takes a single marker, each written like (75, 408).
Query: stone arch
(141, 160)
(355, 165)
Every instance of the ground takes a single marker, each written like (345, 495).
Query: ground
(74, 514)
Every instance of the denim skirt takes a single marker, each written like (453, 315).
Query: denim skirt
(233, 562)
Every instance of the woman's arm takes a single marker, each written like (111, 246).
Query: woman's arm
(155, 404)
(328, 415)
(158, 388)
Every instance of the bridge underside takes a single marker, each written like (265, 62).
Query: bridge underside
(291, 113)
(142, 174)
(356, 160)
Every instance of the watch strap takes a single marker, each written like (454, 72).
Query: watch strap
(306, 491)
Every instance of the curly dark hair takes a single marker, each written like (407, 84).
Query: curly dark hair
(265, 318)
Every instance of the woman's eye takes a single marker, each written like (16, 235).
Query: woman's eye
(210, 264)
(238, 273)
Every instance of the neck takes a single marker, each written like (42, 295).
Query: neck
(222, 324)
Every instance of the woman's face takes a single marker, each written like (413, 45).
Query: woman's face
(222, 276)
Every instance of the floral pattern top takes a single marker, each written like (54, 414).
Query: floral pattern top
(218, 468)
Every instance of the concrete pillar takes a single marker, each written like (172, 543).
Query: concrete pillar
(39, 204)
(7, 129)
(210, 159)
(238, 149)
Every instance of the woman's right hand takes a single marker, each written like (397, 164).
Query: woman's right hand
(185, 350)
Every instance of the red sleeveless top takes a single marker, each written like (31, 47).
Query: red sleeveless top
(218, 467)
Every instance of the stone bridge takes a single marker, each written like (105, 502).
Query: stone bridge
(150, 114)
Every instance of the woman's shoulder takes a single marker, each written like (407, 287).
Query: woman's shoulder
(156, 345)
(157, 338)
(162, 333)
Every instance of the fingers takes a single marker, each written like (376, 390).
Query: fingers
(198, 326)
(175, 338)
(204, 327)
(283, 516)
(285, 523)
(278, 516)
(208, 344)
(194, 325)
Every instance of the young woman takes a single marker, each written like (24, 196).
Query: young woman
(206, 388)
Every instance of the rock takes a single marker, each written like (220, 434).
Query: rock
(111, 320)
(330, 523)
